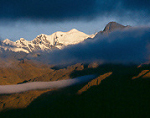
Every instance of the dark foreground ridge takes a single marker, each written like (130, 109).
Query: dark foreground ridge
(118, 96)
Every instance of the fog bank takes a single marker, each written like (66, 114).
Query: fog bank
(10, 89)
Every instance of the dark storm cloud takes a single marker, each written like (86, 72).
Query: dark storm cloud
(128, 46)
(71, 9)
(45, 9)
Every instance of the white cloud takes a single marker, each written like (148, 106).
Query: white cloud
(10, 89)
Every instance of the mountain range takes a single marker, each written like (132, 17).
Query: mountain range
(45, 42)
(57, 40)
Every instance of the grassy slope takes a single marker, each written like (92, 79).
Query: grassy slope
(25, 71)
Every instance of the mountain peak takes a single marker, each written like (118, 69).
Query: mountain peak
(112, 26)
(73, 30)
(41, 35)
(22, 39)
(7, 41)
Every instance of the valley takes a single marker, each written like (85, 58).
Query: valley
(106, 74)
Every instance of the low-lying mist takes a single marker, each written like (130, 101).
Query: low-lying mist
(10, 89)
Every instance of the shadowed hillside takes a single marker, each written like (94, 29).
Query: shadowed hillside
(116, 96)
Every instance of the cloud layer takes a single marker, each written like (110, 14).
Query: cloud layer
(45, 9)
(71, 9)
(128, 46)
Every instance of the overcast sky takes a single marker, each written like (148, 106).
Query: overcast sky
(29, 18)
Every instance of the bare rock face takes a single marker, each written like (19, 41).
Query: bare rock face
(112, 26)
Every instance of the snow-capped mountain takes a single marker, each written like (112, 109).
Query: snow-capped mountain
(57, 40)
(45, 42)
